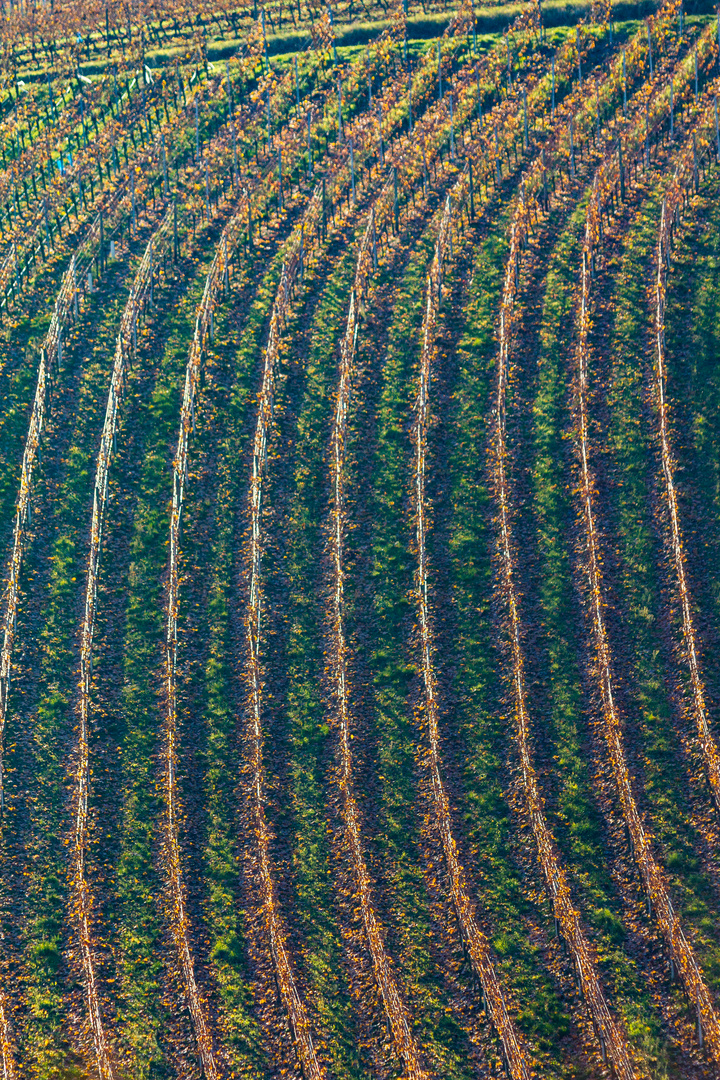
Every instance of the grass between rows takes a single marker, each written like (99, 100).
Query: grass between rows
(650, 703)
(574, 816)
(694, 394)
(218, 481)
(42, 820)
(479, 722)
(136, 883)
(304, 396)
(380, 569)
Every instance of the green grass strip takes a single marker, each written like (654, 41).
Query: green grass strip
(44, 1043)
(302, 707)
(693, 346)
(480, 715)
(136, 924)
(575, 817)
(392, 565)
(240, 352)
(648, 704)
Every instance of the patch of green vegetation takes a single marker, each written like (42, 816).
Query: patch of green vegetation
(295, 567)
(480, 715)
(223, 430)
(573, 815)
(693, 356)
(135, 918)
(633, 467)
(45, 932)
(393, 751)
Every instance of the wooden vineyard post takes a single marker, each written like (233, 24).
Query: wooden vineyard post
(309, 148)
(164, 166)
(479, 97)
(352, 173)
(572, 151)
(382, 152)
(552, 88)
(672, 109)
(448, 213)
(332, 26)
(696, 72)
(265, 44)
(597, 107)
(47, 221)
(696, 183)
(324, 211)
(374, 241)
(410, 117)
(231, 103)
(439, 69)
